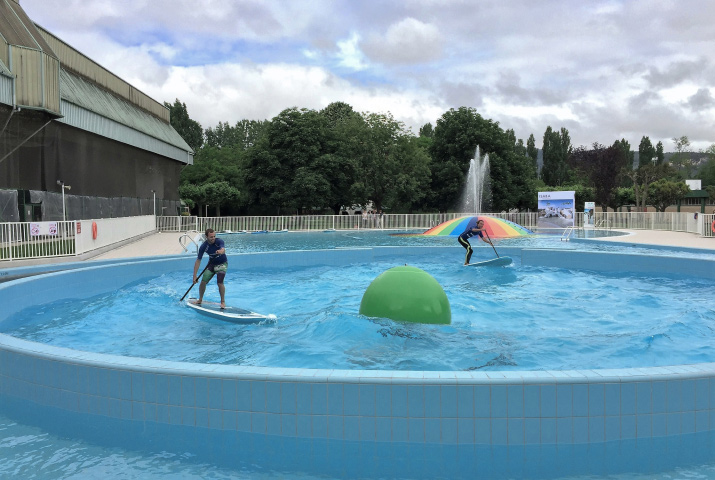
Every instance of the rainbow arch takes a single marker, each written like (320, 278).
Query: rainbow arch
(495, 227)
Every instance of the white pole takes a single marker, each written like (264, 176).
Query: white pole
(64, 217)
(154, 202)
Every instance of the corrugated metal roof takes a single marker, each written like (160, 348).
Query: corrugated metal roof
(88, 96)
(18, 29)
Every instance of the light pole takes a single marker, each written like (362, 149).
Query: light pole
(63, 187)
(206, 210)
(154, 192)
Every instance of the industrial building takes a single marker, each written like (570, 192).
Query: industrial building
(72, 131)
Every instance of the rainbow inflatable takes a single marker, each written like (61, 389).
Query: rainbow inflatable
(495, 227)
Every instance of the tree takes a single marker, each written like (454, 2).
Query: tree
(456, 136)
(190, 130)
(242, 136)
(659, 153)
(386, 159)
(642, 178)
(681, 159)
(646, 152)
(426, 130)
(664, 193)
(707, 172)
(556, 149)
(533, 153)
(602, 168)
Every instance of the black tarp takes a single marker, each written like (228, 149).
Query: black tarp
(8, 206)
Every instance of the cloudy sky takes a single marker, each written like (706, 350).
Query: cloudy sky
(605, 70)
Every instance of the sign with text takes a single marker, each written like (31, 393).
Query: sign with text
(556, 209)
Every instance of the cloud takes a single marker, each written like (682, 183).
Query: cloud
(408, 41)
(528, 65)
(701, 100)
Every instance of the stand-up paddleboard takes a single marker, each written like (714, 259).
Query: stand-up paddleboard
(228, 314)
(494, 262)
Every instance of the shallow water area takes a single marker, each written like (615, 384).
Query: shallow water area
(503, 318)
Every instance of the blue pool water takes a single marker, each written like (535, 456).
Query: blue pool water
(503, 318)
(574, 319)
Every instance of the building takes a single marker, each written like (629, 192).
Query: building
(68, 125)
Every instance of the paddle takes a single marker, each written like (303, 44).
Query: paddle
(198, 277)
(490, 242)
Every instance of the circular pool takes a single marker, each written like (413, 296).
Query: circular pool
(371, 421)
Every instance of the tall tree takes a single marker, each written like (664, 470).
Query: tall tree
(556, 149)
(681, 159)
(659, 153)
(533, 153)
(190, 130)
(646, 152)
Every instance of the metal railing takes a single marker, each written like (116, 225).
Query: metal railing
(27, 240)
(37, 239)
(326, 222)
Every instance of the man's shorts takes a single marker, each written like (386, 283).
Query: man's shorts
(218, 270)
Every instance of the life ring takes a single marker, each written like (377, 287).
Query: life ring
(712, 226)
(94, 230)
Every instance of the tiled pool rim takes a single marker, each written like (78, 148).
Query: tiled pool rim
(407, 407)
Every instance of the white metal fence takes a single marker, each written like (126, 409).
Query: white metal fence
(25, 240)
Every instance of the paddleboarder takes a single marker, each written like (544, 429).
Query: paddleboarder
(463, 239)
(218, 265)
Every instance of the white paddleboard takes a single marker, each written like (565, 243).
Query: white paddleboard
(494, 262)
(228, 314)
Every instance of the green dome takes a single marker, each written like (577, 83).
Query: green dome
(406, 294)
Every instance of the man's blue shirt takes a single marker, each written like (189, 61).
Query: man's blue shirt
(211, 250)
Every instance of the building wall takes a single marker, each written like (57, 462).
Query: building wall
(91, 164)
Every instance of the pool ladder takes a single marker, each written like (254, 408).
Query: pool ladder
(566, 236)
(190, 235)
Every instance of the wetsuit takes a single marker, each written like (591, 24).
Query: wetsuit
(463, 240)
(219, 263)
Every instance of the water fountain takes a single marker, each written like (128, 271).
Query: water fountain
(476, 196)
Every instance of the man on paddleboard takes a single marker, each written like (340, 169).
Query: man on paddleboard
(463, 239)
(218, 265)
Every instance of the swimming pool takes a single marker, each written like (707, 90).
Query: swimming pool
(248, 421)
(518, 317)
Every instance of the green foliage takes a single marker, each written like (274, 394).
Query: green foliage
(601, 168)
(664, 193)
(556, 150)
(190, 130)
(456, 136)
(241, 136)
(646, 152)
(707, 172)
(426, 130)
(533, 153)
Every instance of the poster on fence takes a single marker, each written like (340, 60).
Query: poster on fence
(589, 209)
(556, 209)
(43, 228)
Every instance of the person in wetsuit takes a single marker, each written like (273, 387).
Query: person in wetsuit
(463, 239)
(218, 265)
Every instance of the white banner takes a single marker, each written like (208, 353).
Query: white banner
(43, 228)
(556, 209)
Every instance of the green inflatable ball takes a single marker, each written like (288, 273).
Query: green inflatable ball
(406, 294)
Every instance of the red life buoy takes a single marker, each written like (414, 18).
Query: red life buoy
(94, 230)
(712, 226)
